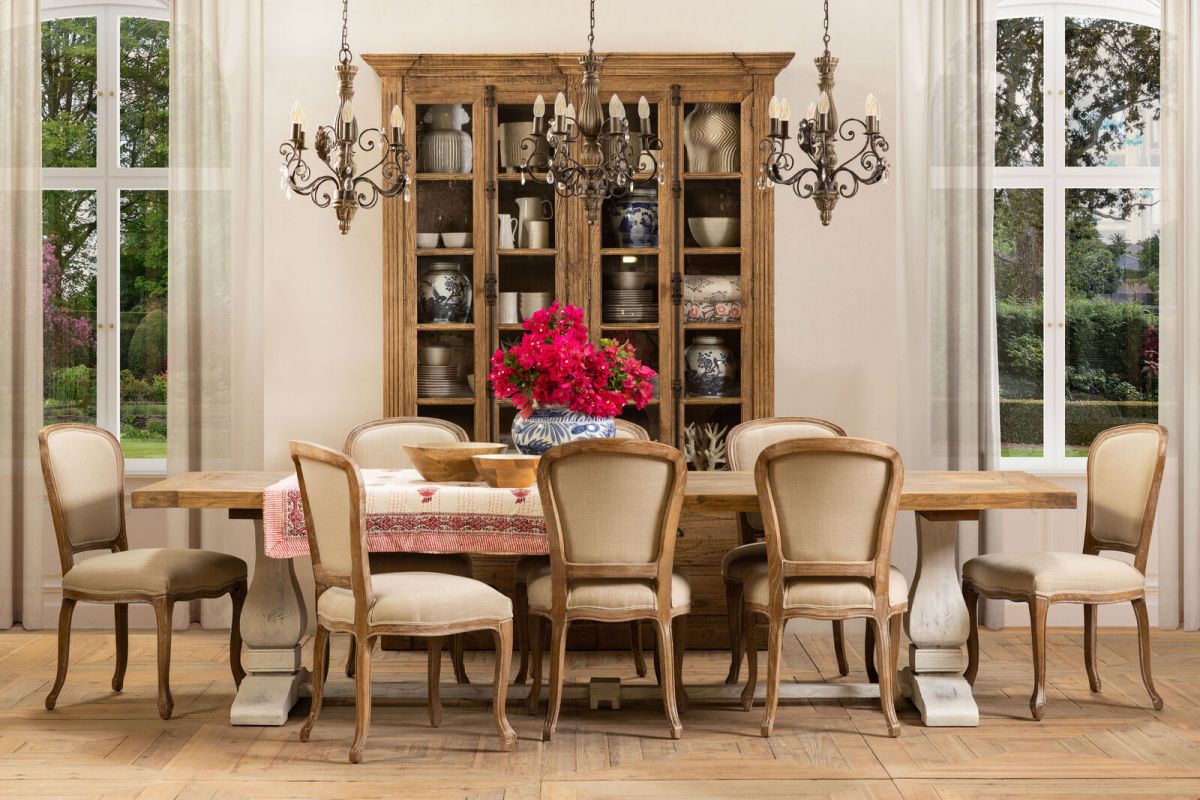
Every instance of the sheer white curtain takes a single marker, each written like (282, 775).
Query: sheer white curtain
(21, 489)
(216, 259)
(1179, 521)
(949, 415)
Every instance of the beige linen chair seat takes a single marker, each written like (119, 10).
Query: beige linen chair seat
(829, 594)
(1049, 574)
(418, 598)
(609, 595)
(741, 561)
(154, 571)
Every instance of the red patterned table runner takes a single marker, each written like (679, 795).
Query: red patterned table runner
(408, 514)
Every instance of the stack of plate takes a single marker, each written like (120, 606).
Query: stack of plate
(630, 305)
(441, 381)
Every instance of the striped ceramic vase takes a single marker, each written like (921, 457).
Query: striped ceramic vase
(711, 135)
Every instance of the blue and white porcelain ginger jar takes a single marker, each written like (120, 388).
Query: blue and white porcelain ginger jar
(634, 218)
(710, 368)
(548, 427)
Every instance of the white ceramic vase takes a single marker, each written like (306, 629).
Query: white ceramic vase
(445, 147)
(712, 137)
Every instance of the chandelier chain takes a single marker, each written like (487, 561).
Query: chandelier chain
(592, 26)
(344, 54)
(826, 37)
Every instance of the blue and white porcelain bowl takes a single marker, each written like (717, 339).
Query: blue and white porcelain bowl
(548, 427)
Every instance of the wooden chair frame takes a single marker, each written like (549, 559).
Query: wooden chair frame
(748, 534)
(456, 642)
(365, 633)
(162, 603)
(1039, 605)
(668, 622)
(884, 617)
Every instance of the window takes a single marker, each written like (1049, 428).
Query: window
(104, 210)
(1075, 242)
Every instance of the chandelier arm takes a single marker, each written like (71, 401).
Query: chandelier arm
(318, 189)
(804, 190)
(293, 161)
(367, 200)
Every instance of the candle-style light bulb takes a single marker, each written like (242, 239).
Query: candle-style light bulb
(872, 106)
(396, 119)
(570, 113)
(616, 109)
(560, 105)
(643, 108)
(773, 107)
(811, 114)
(347, 112)
(823, 103)
(297, 114)
(539, 107)
(785, 110)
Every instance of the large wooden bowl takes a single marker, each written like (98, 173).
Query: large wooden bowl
(508, 471)
(450, 461)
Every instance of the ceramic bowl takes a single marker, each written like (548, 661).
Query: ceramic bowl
(628, 279)
(714, 231)
(456, 239)
(427, 241)
(450, 461)
(508, 471)
(434, 356)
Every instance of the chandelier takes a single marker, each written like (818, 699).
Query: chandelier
(605, 162)
(818, 137)
(344, 188)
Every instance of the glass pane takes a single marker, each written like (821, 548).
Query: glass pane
(1112, 311)
(144, 323)
(1020, 341)
(1112, 94)
(69, 306)
(1020, 67)
(69, 92)
(145, 77)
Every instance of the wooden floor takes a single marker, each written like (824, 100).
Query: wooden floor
(101, 745)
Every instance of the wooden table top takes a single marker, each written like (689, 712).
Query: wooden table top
(952, 494)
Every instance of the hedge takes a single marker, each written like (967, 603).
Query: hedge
(1021, 420)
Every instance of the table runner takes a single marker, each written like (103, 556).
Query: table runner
(408, 514)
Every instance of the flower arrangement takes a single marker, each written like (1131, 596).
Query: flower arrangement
(556, 365)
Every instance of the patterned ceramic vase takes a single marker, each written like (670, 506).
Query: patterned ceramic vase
(712, 137)
(444, 294)
(445, 147)
(634, 219)
(710, 368)
(548, 427)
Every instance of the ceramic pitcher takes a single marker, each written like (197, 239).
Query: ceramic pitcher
(531, 209)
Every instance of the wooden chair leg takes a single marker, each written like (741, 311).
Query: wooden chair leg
(971, 598)
(362, 696)
(504, 643)
(839, 647)
(457, 643)
(1038, 608)
(774, 662)
(896, 623)
(434, 644)
(64, 650)
(748, 635)
(666, 647)
(162, 613)
(678, 634)
(535, 667)
(238, 596)
(637, 647)
(1089, 646)
(319, 673)
(521, 621)
(350, 657)
(887, 681)
(737, 644)
(869, 654)
(1143, 625)
(558, 658)
(657, 664)
(328, 656)
(121, 618)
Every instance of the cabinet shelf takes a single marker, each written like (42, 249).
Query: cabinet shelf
(712, 176)
(712, 326)
(628, 251)
(712, 251)
(445, 327)
(445, 251)
(465, 400)
(630, 326)
(712, 401)
(445, 176)
(528, 251)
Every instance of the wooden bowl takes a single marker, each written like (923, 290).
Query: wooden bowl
(450, 461)
(508, 471)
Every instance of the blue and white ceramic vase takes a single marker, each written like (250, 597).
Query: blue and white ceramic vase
(548, 427)
(444, 294)
(634, 219)
(710, 369)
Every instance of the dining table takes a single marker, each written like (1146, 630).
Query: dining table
(274, 619)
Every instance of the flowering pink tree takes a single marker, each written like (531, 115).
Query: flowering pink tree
(63, 331)
(556, 365)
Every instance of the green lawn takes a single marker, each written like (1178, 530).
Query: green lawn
(144, 448)
(1013, 450)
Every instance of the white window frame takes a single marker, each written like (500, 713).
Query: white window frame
(108, 179)
(1054, 178)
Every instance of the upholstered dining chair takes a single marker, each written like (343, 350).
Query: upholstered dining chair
(351, 599)
(829, 508)
(529, 567)
(379, 444)
(744, 444)
(84, 471)
(612, 509)
(1124, 469)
